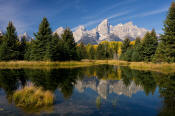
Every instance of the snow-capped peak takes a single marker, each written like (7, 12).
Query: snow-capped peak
(104, 27)
(105, 32)
(27, 37)
(1, 33)
(129, 23)
(81, 27)
(59, 31)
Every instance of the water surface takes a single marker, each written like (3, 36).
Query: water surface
(97, 90)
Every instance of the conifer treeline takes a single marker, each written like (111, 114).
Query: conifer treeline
(51, 47)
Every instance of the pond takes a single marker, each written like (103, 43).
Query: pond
(103, 90)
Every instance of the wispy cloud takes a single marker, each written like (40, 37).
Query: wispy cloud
(149, 13)
(93, 22)
(109, 8)
(25, 17)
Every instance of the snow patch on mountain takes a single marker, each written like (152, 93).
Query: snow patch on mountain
(1, 33)
(105, 32)
(27, 37)
(59, 31)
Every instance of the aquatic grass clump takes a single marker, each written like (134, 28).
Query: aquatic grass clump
(33, 97)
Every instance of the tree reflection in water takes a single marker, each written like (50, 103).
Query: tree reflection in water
(66, 79)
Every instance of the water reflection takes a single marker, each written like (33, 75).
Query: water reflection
(103, 80)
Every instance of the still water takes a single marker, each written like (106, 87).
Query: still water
(92, 91)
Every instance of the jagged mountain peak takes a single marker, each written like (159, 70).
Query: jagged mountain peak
(59, 31)
(27, 37)
(130, 23)
(105, 32)
(1, 33)
(81, 27)
(104, 27)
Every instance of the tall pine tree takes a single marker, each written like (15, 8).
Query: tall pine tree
(9, 49)
(150, 43)
(22, 48)
(166, 49)
(126, 52)
(42, 42)
(69, 45)
(137, 54)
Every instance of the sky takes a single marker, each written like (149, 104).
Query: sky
(27, 14)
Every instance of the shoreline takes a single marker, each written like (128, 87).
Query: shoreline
(162, 67)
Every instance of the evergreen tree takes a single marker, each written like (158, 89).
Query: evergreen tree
(137, 54)
(9, 49)
(22, 48)
(137, 41)
(1, 39)
(125, 45)
(101, 52)
(55, 48)
(43, 39)
(81, 51)
(166, 50)
(92, 53)
(150, 43)
(28, 50)
(69, 45)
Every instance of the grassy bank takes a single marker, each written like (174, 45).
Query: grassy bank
(65, 64)
(162, 67)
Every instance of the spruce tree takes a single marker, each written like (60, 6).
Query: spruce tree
(22, 48)
(55, 48)
(125, 45)
(166, 50)
(92, 53)
(150, 43)
(42, 41)
(9, 49)
(81, 51)
(137, 54)
(69, 45)
(101, 52)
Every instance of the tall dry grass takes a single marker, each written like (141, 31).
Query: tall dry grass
(32, 97)
(162, 67)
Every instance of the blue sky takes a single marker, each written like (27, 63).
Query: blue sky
(27, 14)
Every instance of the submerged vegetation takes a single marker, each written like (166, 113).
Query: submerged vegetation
(31, 97)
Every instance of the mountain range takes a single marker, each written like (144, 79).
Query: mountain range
(105, 32)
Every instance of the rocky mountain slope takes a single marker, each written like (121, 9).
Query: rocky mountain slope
(28, 38)
(105, 32)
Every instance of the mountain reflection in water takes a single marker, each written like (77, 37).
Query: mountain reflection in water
(96, 90)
